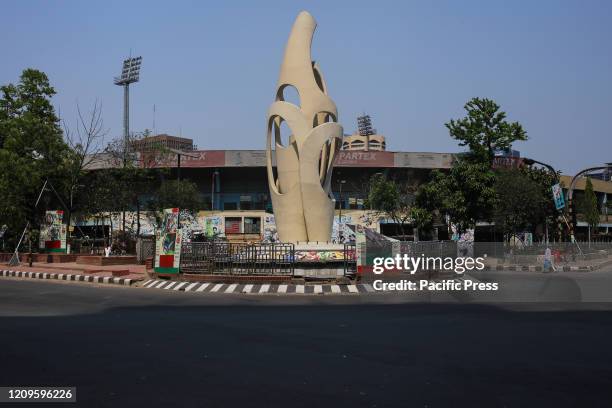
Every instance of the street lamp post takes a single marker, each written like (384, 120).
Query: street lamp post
(550, 168)
(340, 182)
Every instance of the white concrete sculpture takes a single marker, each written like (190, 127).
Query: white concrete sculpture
(301, 185)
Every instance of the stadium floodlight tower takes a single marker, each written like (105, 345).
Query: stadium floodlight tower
(129, 74)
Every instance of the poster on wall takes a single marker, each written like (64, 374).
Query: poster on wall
(53, 232)
(213, 226)
(270, 233)
(168, 241)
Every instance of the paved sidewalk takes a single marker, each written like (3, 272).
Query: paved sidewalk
(134, 271)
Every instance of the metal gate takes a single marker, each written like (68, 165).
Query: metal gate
(350, 260)
(225, 258)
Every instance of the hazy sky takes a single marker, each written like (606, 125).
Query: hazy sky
(211, 67)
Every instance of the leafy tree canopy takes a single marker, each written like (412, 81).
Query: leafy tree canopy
(485, 129)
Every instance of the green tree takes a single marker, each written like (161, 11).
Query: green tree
(466, 193)
(32, 149)
(485, 130)
(590, 208)
(392, 199)
(523, 200)
(174, 193)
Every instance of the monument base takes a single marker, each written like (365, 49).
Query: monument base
(319, 260)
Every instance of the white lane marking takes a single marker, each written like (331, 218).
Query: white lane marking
(231, 288)
(217, 287)
(282, 289)
(180, 285)
(299, 289)
(335, 288)
(162, 283)
(170, 285)
(204, 286)
(247, 289)
(191, 286)
(150, 285)
(353, 288)
(264, 288)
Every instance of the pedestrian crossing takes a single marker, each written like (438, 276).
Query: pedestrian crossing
(258, 289)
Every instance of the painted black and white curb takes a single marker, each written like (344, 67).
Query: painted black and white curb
(67, 277)
(259, 289)
(533, 268)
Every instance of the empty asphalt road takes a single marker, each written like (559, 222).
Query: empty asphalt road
(138, 347)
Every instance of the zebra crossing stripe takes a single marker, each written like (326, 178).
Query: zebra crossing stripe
(180, 285)
(368, 287)
(159, 285)
(217, 287)
(282, 289)
(147, 282)
(150, 284)
(247, 289)
(353, 289)
(231, 288)
(170, 285)
(335, 289)
(191, 286)
(201, 288)
(318, 289)
(264, 288)
(299, 289)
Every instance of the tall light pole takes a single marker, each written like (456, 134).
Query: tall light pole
(129, 74)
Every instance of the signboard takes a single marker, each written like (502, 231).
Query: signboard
(53, 232)
(558, 197)
(423, 160)
(168, 240)
(506, 162)
(201, 158)
(349, 158)
(245, 158)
